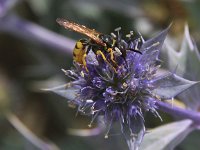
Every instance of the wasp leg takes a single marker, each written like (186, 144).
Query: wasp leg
(104, 58)
(112, 56)
(84, 62)
(99, 52)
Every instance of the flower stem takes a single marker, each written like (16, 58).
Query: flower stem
(31, 32)
(182, 113)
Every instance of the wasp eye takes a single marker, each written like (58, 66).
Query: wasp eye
(106, 38)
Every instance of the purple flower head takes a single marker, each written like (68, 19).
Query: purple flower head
(125, 85)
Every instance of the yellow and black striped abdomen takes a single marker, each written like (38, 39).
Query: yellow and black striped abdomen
(79, 51)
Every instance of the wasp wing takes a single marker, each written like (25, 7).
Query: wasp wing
(91, 33)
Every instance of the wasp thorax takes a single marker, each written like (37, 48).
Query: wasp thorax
(107, 39)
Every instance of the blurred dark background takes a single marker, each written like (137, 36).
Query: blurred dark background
(33, 52)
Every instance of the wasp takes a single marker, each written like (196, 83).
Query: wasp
(99, 43)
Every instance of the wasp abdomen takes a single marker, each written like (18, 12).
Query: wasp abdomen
(79, 51)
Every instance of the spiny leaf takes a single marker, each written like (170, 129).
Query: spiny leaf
(67, 91)
(134, 132)
(187, 58)
(187, 61)
(151, 48)
(166, 137)
(170, 85)
(157, 39)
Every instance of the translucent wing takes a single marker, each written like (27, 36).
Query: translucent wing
(91, 33)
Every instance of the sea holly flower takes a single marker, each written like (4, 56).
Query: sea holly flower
(124, 89)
